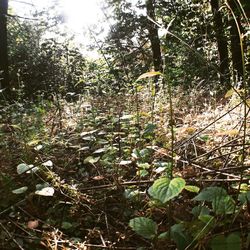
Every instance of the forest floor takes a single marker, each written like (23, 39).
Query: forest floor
(74, 175)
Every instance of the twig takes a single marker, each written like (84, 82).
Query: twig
(210, 124)
(11, 236)
(217, 157)
(227, 144)
(127, 183)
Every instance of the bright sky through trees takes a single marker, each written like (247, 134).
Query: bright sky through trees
(78, 13)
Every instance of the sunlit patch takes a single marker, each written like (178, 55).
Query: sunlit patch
(81, 13)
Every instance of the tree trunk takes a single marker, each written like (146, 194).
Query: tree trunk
(235, 41)
(153, 36)
(4, 76)
(222, 45)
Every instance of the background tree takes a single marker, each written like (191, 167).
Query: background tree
(153, 36)
(222, 43)
(4, 76)
(235, 39)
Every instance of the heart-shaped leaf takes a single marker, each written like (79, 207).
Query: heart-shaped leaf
(143, 226)
(164, 190)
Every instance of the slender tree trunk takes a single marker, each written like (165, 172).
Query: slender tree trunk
(235, 41)
(222, 45)
(4, 76)
(153, 36)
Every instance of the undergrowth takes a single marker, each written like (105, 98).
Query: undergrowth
(100, 173)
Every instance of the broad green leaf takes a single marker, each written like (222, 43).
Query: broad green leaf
(223, 205)
(206, 218)
(193, 189)
(22, 168)
(20, 190)
(179, 236)
(143, 226)
(47, 191)
(164, 190)
(244, 197)
(41, 186)
(25, 168)
(200, 210)
(159, 189)
(232, 242)
(210, 193)
(175, 187)
(148, 74)
(218, 243)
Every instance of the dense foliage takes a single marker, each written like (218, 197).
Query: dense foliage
(145, 147)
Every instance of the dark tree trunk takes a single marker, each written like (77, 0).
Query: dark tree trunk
(4, 76)
(235, 41)
(222, 45)
(153, 36)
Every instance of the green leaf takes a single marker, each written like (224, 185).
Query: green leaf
(40, 186)
(164, 235)
(175, 187)
(159, 189)
(232, 242)
(20, 190)
(47, 191)
(164, 190)
(142, 172)
(179, 236)
(66, 225)
(200, 210)
(91, 159)
(210, 193)
(25, 168)
(193, 189)
(206, 218)
(143, 226)
(219, 243)
(143, 165)
(100, 150)
(148, 74)
(244, 197)
(223, 205)
(149, 130)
